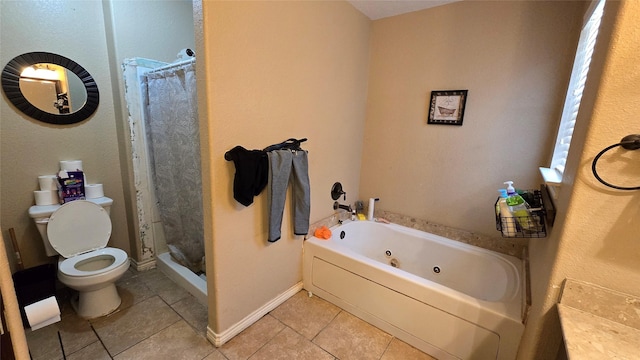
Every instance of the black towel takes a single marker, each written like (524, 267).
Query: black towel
(252, 173)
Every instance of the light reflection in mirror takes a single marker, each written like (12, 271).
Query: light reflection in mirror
(52, 88)
(81, 106)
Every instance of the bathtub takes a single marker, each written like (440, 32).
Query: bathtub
(449, 299)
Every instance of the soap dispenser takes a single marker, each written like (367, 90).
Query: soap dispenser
(520, 209)
(507, 221)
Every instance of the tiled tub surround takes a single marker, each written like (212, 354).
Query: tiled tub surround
(599, 323)
(429, 297)
(509, 246)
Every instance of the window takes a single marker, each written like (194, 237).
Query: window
(588, 35)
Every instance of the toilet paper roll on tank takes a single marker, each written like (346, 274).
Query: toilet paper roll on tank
(46, 197)
(93, 191)
(49, 185)
(48, 182)
(48, 193)
(71, 165)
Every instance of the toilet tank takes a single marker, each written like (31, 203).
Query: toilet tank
(40, 214)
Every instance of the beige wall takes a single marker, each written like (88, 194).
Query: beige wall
(74, 29)
(103, 34)
(284, 69)
(514, 57)
(596, 239)
(166, 28)
(276, 70)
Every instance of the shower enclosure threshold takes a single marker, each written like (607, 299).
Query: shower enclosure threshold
(194, 284)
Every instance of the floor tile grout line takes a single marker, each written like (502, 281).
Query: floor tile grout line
(387, 347)
(141, 340)
(325, 326)
(197, 331)
(268, 341)
(321, 330)
(271, 339)
(316, 335)
(304, 337)
(221, 354)
(155, 333)
(180, 316)
(155, 293)
(100, 340)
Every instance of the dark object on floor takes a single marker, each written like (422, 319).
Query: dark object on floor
(34, 284)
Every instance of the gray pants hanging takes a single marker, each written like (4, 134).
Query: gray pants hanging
(287, 166)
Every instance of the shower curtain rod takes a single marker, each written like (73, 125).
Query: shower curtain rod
(172, 65)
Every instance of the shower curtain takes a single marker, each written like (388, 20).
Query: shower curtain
(174, 147)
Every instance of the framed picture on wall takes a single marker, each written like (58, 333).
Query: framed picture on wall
(447, 107)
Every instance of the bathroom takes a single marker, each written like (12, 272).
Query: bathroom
(365, 117)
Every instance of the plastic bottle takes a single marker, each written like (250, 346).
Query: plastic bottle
(372, 202)
(520, 209)
(507, 221)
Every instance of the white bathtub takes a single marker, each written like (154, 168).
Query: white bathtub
(446, 298)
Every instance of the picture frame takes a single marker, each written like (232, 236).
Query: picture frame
(447, 107)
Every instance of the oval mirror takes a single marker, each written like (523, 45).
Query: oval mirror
(50, 88)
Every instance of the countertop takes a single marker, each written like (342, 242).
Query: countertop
(599, 323)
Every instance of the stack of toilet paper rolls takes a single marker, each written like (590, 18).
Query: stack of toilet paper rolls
(48, 193)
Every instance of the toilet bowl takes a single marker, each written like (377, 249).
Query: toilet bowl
(79, 232)
(93, 275)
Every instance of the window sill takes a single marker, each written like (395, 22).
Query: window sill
(553, 179)
(550, 176)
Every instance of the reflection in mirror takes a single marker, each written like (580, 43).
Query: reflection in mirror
(50, 88)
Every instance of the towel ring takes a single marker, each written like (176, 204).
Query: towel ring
(629, 142)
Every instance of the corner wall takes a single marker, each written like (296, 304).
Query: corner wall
(596, 239)
(276, 70)
(514, 57)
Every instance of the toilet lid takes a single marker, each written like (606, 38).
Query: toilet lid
(78, 227)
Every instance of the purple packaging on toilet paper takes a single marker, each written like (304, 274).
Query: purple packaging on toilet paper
(71, 186)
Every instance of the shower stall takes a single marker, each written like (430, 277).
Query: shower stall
(163, 123)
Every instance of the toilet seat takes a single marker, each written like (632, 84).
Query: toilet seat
(68, 266)
(78, 227)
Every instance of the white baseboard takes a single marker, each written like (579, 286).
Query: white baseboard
(220, 339)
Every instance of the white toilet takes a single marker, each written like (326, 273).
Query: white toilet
(79, 232)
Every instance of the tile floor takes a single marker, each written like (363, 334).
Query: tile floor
(159, 320)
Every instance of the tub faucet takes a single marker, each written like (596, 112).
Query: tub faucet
(337, 205)
(352, 211)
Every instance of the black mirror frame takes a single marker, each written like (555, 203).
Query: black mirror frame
(11, 87)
